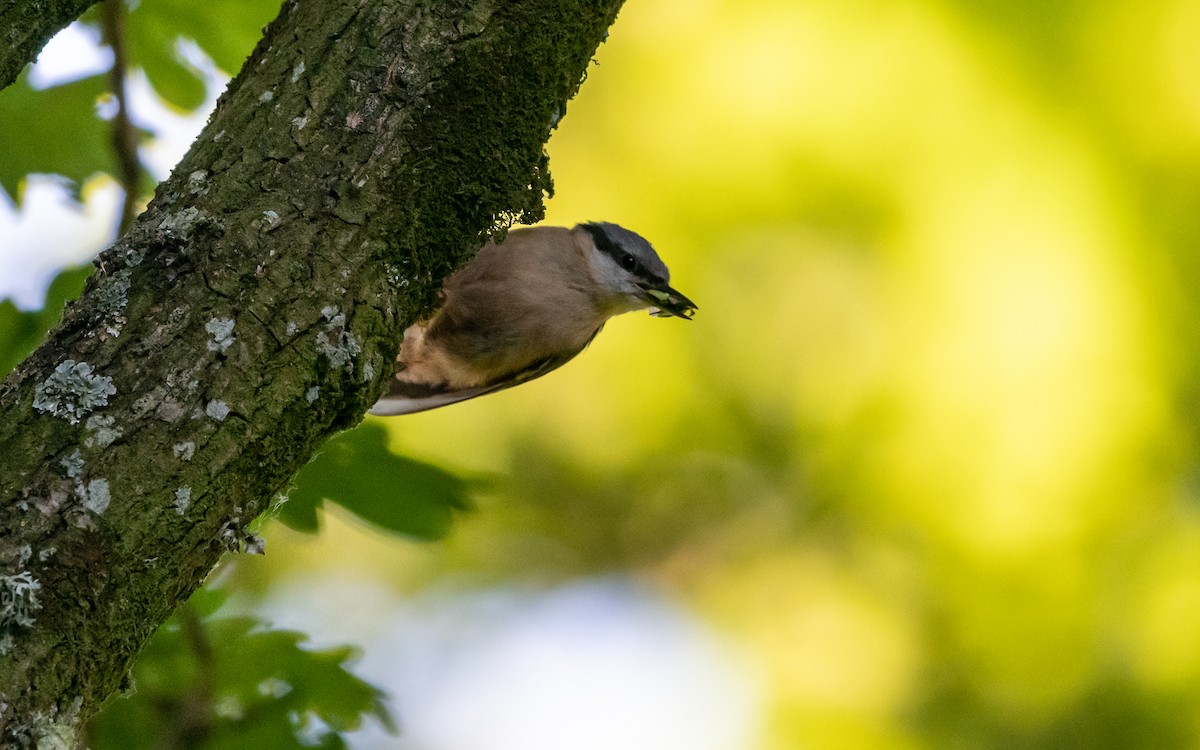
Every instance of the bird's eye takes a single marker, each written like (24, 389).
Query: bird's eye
(628, 262)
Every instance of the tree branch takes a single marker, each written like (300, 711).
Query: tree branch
(124, 137)
(27, 26)
(365, 150)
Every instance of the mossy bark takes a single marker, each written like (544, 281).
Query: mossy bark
(27, 25)
(364, 152)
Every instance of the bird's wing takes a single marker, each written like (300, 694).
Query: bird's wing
(410, 398)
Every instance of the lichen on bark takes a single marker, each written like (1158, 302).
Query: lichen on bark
(364, 152)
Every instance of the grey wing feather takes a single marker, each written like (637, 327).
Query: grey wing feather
(393, 406)
(397, 403)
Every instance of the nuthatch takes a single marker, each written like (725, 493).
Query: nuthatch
(522, 308)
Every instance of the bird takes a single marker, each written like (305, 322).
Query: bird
(523, 307)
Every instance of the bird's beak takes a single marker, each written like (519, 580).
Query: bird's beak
(667, 302)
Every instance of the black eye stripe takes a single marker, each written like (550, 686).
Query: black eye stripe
(605, 244)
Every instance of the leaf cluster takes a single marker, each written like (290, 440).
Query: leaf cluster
(60, 129)
(213, 681)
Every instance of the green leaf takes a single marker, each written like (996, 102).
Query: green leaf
(358, 472)
(232, 683)
(226, 30)
(207, 600)
(55, 131)
(21, 332)
(171, 78)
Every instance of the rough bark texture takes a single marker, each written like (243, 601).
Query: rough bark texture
(252, 311)
(27, 25)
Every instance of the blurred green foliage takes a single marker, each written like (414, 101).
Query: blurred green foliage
(59, 130)
(21, 330)
(397, 494)
(212, 681)
(53, 131)
(226, 30)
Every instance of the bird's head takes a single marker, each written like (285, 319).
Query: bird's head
(627, 268)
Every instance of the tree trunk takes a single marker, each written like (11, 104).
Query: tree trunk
(254, 310)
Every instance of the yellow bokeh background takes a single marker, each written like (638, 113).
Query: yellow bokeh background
(926, 453)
